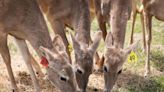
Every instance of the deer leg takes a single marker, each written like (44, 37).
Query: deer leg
(102, 25)
(34, 63)
(100, 18)
(27, 57)
(58, 28)
(36, 66)
(148, 21)
(133, 24)
(6, 57)
(143, 30)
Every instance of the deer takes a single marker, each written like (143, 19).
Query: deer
(74, 14)
(24, 20)
(84, 59)
(150, 8)
(95, 11)
(114, 59)
(71, 13)
(59, 70)
(119, 35)
(137, 10)
(115, 55)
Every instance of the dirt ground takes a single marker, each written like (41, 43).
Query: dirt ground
(24, 81)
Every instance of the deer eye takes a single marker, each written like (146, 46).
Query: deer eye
(63, 79)
(79, 71)
(119, 72)
(105, 69)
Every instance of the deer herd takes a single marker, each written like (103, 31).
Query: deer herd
(24, 20)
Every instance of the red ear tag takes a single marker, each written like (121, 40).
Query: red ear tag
(44, 62)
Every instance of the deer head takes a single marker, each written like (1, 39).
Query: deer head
(114, 60)
(59, 70)
(84, 59)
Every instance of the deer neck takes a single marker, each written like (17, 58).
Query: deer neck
(82, 22)
(119, 16)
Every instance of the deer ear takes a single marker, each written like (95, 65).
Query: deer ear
(131, 47)
(45, 52)
(96, 41)
(49, 58)
(46, 56)
(58, 43)
(76, 45)
(109, 40)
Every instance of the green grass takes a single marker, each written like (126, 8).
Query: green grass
(157, 56)
(139, 84)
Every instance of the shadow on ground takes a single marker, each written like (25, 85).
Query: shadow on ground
(89, 89)
(128, 82)
(157, 56)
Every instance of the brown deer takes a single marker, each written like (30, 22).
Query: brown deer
(84, 59)
(133, 17)
(75, 15)
(119, 36)
(115, 55)
(114, 60)
(95, 11)
(23, 20)
(137, 10)
(151, 8)
(68, 13)
(60, 71)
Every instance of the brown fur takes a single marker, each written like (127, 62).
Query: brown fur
(114, 60)
(95, 10)
(118, 12)
(71, 13)
(115, 55)
(151, 8)
(23, 20)
(60, 71)
(84, 60)
(137, 10)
